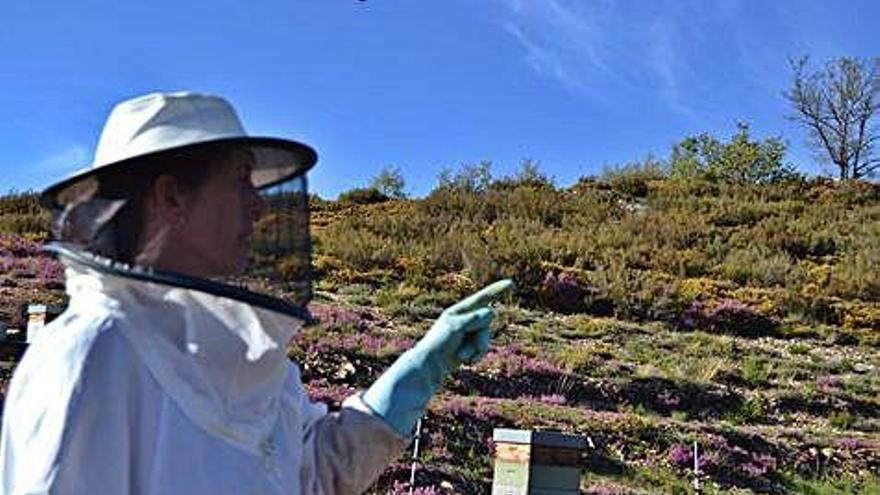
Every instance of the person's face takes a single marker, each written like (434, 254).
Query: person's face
(218, 223)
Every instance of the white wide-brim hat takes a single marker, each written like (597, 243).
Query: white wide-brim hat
(147, 127)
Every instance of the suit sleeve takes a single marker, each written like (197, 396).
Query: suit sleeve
(64, 427)
(344, 452)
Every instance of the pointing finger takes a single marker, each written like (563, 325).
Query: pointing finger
(482, 298)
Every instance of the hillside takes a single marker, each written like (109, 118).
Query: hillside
(648, 315)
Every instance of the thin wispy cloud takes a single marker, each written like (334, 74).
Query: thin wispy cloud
(667, 65)
(602, 47)
(559, 41)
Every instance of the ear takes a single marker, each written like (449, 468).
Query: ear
(168, 200)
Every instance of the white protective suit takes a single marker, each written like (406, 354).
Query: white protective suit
(146, 388)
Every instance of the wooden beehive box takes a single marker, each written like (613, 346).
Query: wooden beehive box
(38, 316)
(536, 462)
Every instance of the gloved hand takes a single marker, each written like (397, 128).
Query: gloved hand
(461, 334)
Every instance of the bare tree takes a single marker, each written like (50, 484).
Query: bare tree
(836, 104)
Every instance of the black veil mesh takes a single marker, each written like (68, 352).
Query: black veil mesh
(98, 215)
(281, 244)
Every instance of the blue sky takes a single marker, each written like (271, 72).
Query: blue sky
(575, 84)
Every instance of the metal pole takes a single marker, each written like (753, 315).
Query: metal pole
(415, 457)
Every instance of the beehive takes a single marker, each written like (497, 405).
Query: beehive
(536, 462)
(39, 315)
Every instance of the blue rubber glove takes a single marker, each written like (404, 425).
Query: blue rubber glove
(461, 334)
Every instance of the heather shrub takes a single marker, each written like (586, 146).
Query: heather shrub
(755, 371)
(856, 276)
(757, 265)
(629, 263)
(20, 245)
(858, 315)
(842, 420)
(633, 294)
(734, 213)
(848, 192)
(513, 248)
(529, 175)
(562, 291)
(25, 223)
(359, 249)
(363, 196)
(692, 289)
(19, 203)
(634, 179)
(772, 302)
(50, 272)
(471, 178)
(805, 235)
(680, 456)
(728, 316)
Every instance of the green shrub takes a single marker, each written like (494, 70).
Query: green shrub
(752, 410)
(529, 175)
(758, 265)
(34, 223)
(856, 276)
(738, 161)
(842, 420)
(756, 370)
(390, 182)
(799, 348)
(631, 263)
(634, 179)
(363, 196)
(20, 203)
(835, 486)
(471, 178)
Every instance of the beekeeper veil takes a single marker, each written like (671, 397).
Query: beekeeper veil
(98, 213)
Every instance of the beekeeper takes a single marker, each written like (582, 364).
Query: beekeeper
(165, 375)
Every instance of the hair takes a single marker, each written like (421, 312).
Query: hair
(121, 236)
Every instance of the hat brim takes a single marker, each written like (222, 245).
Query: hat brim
(275, 160)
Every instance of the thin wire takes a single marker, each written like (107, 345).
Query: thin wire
(415, 457)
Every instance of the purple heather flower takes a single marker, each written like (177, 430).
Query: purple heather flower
(553, 399)
(752, 470)
(51, 273)
(680, 456)
(668, 400)
(828, 383)
(456, 406)
(848, 443)
(485, 408)
(18, 246)
(401, 488)
(437, 439)
(726, 315)
(334, 316)
(718, 442)
(321, 392)
(608, 489)
(766, 461)
(511, 363)
(563, 290)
